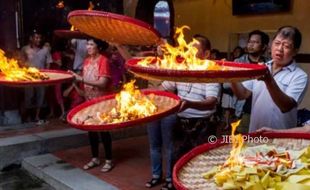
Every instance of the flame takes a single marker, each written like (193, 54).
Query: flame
(91, 6)
(60, 5)
(131, 104)
(237, 143)
(13, 72)
(235, 158)
(181, 57)
(72, 28)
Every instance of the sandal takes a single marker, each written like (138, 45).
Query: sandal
(107, 166)
(93, 163)
(168, 186)
(153, 182)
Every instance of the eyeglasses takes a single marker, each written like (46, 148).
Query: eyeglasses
(284, 45)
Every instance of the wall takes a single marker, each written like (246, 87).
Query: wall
(7, 26)
(214, 19)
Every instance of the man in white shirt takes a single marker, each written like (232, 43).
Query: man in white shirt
(277, 95)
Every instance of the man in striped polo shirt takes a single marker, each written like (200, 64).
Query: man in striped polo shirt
(192, 123)
(193, 120)
(198, 105)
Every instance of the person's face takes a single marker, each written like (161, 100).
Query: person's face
(200, 54)
(255, 44)
(92, 48)
(213, 56)
(237, 53)
(36, 40)
(282, 50)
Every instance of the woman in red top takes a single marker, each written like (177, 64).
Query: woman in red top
(96, 78)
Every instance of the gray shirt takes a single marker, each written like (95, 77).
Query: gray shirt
(37, 57)
(293, 82)
(80, 53)
(245, 59)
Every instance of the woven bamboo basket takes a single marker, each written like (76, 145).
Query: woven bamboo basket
(237, 72)
(114, 28)
(187, 173)
(55, 77)
(167, 103)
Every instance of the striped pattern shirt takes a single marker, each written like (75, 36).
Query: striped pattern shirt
(194, 92)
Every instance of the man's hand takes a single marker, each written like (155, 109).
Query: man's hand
(267, 76)
(184, 105)
(265, 129)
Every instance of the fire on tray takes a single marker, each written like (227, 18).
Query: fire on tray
(13, 72)
(262, 167)
(181, 57)
(131, 104)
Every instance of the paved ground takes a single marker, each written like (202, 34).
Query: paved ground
(18, 179)
(131, 157)
(132, 163)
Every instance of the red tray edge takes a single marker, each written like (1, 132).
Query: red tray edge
(123, 124)
(207, 146)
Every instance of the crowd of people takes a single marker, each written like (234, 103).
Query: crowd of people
(264, 104)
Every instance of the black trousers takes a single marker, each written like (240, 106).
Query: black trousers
(94, 144)
(191, 132)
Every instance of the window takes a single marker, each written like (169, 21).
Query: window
(162, 18)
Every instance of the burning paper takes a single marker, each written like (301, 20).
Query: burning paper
(262, 167)
(181, 57)
(131, 104)
(13, 72)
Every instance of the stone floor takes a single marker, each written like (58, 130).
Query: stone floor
(132, 163)
(31, 128)
(18, 179)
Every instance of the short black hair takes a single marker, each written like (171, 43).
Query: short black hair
(34, 32)
(292, 33)
(264, 37)
(205, 42)
(102, 45)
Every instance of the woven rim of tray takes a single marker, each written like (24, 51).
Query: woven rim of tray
(114, 28)
(167, 103)
(55, 77)
(190, 79)
(189, 169)
(241, 73)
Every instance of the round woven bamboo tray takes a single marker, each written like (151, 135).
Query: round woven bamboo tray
(167, 103)
(114, 28)
(237, 72)
(70, 34)
(187, 172)
(55, 77)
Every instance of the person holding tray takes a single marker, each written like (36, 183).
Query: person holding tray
(277, 94)
(96, 78)
(178, 133)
